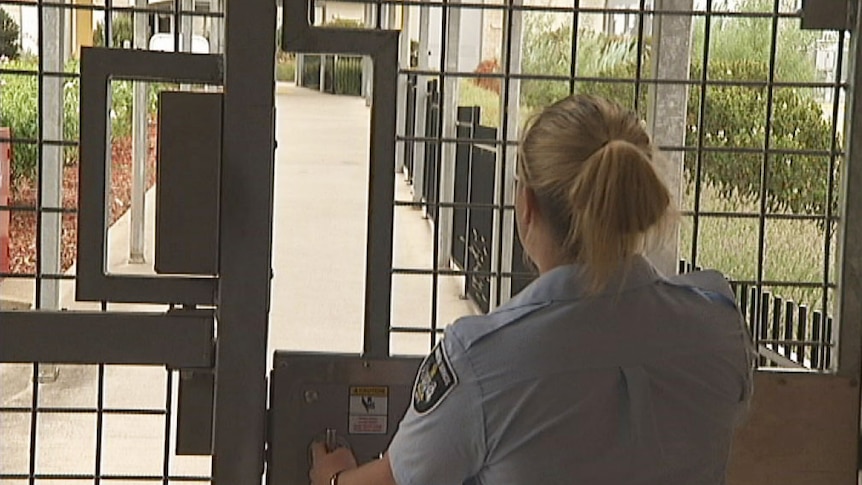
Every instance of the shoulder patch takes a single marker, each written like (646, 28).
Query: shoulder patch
(434, 381)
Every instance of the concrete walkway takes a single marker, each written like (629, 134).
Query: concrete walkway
(317, 299)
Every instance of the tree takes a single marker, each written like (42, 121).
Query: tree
(122, 31)
(9, 32)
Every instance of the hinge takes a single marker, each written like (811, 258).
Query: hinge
(828, 14)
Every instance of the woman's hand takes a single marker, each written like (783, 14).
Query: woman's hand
(324, 464)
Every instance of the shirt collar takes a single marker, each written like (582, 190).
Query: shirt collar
(568, 282)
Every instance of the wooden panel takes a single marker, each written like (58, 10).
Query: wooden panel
(802, 430)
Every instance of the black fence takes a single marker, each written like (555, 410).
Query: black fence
(341, 74)
(474, 201)
(787, 334)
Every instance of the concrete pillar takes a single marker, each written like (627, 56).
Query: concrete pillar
(217, 29)
(403, 62)
(513, 32)
(186, 26)
(421, 97)
(140, 148)
(666, 109)
(367, 65)
(449, 113)
(52, 50)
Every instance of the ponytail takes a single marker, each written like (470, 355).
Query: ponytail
(589, 162)
(616, 199)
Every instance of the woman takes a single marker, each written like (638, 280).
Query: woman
(602, 371)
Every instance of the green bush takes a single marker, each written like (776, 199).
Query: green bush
(285, 67)
(9, 32)
(122, 31)
(735, 117)
(19, 111)
(548, 51)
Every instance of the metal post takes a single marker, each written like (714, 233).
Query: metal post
(186, 26)
(449, 113)
(501, 255)
(245, 232)
(849, 276)
(322, 74)
(140, 147)
(51, 166)
(421, 96)
(367, 63)
(403, 62)
(666, 109)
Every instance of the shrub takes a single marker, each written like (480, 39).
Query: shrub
(735, 117)
(19, 111)
(122, 31)
(285, 67)
(9, 32)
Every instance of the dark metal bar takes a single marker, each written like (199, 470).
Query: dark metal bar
(166, 453)
(775, 328)
(34, 416)
(802, 335)
(789, 306)
(816, 331)
(698, 164)
(179, 340)
(849, 276)
(100, 421)
(245, 235)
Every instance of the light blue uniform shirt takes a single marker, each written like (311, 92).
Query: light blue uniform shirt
(640, 384)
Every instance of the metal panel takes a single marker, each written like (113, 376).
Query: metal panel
(195, 412)
(794, 435)
(828, 14)
(187, 187)
(312, 393)
(849, 278)
(382, 46)
(98, 67)
(177, 339)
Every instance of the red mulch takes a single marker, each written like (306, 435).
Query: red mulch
(22, 227)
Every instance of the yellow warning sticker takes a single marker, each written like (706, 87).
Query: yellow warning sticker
(372, 391)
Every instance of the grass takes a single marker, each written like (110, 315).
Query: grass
(285, 68)
(793, 249)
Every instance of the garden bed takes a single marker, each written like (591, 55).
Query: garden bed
(22, 230)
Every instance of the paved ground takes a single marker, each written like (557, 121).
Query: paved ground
(317, 300)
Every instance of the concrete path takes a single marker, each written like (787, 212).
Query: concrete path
(317, 300)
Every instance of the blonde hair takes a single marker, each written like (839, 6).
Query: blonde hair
(589, 162)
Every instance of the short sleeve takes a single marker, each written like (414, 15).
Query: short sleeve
(441, 440)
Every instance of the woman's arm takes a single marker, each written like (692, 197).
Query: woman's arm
(325, 465)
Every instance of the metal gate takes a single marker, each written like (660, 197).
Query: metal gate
(119, 372)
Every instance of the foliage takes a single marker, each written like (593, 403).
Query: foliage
(793, 250)
(736, 117)
(548, 51)
(9, 32)
(122, 31)
(285, 67)
(19, 111)
(750, 38)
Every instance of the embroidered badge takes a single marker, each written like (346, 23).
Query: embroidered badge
(434, 381)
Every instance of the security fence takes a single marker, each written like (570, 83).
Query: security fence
(341, 74)
(754, 143)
